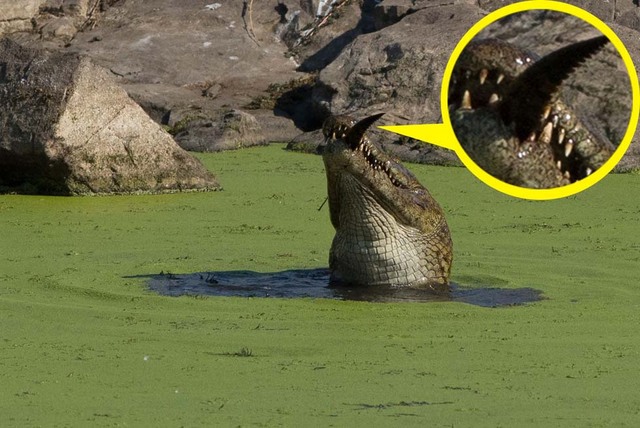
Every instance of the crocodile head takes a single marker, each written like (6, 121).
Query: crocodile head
(508, 115)
(389, 229)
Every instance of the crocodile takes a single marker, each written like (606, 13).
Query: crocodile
(390, 231)
(509, 117)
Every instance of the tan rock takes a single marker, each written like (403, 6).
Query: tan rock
(68, 128)
(16, 15)
(22, 9)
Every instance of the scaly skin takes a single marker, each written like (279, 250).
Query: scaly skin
(508, 116)
(389, 229)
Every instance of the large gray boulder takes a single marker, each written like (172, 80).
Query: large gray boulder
(67, 128)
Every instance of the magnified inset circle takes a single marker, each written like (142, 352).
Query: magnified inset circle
(541, 100)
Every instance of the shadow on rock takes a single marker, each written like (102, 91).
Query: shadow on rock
(314, 283)
(330, 52)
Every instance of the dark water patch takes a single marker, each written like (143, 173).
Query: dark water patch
(314, 283)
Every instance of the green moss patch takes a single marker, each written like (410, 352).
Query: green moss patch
(85, 342)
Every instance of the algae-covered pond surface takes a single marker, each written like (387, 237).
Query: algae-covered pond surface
(85, 341)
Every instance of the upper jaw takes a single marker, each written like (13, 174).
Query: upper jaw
(343, 133)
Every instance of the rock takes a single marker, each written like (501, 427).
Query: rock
(177, 59)
(52, 6)
(380, 71)
(631, 160)
(21, 9)
(393, 70)
(319, 43)
(16, 15)
(59, 28)
(368, 55)
(391, 11)
(200, 131)
(212, 91)
(198, 126)
(389, 72)
(67, 128)
(307, 142)
(52, 23)
(75, 7)
(275, 128)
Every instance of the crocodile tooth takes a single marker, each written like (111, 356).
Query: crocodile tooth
(354, 135)
(560, 135)
(554, 120)
(500, 77)
(568, 147)
(589, 171)
(466, 100)
(532, 137)
(545, 136)
(494, 98)
(483, 75)
(566, 174)
(546, 113)
(559, 164)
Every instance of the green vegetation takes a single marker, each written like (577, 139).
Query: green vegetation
(84, 342)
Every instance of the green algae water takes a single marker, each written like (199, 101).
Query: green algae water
(84, 341)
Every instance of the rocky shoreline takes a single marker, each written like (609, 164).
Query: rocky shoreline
(226, 75)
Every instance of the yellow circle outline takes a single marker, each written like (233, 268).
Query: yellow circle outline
(600, 173)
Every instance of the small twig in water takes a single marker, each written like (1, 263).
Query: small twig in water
(323, 202)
